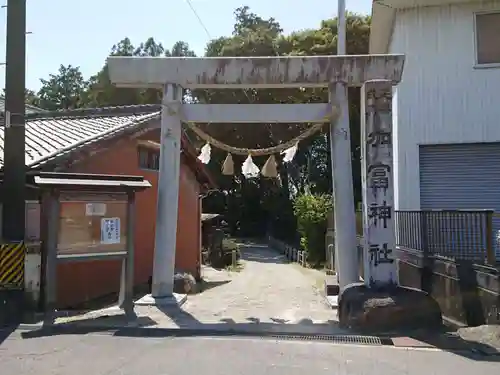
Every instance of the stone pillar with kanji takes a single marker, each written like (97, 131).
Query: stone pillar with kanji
(377, 170)
(380, 304)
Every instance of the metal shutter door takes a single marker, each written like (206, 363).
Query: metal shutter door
(465, 176)
(461, 176)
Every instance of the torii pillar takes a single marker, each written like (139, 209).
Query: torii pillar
(172, 74)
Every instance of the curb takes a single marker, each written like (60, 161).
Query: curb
(438, 342)
(37, 330)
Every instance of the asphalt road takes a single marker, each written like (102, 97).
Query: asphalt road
(103, 353)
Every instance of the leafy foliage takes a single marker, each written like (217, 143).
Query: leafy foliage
(311, 211)
(229, 245)
(64, 90)
(251, 207)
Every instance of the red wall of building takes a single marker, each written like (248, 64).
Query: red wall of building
(79, 282)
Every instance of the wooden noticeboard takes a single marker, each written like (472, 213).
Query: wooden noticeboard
(82, 219)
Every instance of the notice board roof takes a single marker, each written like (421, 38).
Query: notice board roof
(95, 182)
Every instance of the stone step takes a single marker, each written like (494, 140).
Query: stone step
(332, 286)
(333, 301)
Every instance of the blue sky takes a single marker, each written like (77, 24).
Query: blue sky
(82, 32)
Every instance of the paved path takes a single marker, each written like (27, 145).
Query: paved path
(268, 293)
(268, 289)
(104, 354)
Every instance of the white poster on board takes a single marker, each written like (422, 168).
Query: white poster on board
(95, 209)
(110, 230)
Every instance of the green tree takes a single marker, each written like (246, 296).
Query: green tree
(64, 90)
(180, 48)
(30, 97)
(256, 204)
(311, 211)
(311, 168)
(102, 93)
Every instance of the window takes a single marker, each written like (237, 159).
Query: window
(488, 38)
(149, 159)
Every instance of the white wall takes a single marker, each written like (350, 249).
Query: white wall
(442, 98)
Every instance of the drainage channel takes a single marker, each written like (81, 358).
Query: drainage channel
(338, 339)
(201, 332)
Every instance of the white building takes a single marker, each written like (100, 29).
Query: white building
(447, 107)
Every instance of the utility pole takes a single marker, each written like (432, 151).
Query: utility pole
(14, 169)
(346, 252)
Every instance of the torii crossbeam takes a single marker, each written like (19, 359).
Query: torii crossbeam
(173, 73)
(253, 72)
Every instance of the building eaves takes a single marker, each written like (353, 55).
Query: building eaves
(29, 108)
(382, 23)
(50, 135)
(190, 157)
(384, 15)
(53, 136)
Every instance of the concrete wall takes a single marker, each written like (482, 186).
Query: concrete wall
(78, 282)
(442, 97)
(467, 293)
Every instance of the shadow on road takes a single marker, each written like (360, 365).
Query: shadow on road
(207, 285)
(262, 258)
(261, 254)
(450, 342)
(189, 326)
(6, 332)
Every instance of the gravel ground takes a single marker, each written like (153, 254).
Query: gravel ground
(267, 291)
(268, 288)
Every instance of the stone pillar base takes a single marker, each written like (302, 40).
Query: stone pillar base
(392, 309)
(174, 300)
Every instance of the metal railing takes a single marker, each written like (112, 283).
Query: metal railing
(330, 252)
(290, 252)
(453, 234)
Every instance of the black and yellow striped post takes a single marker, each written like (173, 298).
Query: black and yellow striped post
(12, 256)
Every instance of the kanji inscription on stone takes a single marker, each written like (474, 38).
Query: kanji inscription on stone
(377, 181)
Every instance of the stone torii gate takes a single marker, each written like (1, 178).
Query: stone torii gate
(376, 74)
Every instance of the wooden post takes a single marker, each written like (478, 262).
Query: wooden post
(14, 168)
(50, 292)
(127, 276)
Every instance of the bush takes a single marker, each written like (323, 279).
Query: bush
(228, 246)
(311, 212)
(222, 256)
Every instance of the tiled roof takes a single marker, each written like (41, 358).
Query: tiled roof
(53, 134)
(29, 108)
